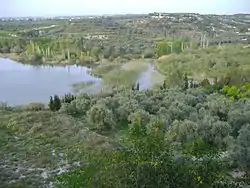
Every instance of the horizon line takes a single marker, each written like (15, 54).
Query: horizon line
(121, 14)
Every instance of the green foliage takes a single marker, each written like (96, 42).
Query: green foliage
(229, 65)
(231, 91)
(240, 150)
(125, 108)
(148, 162)
(5, 106)
(149, 53)
(34, 107)
(120, 78)
(100, 117)
(51, 103)
(239, 91)
(165, 84)
(194, 128)
(127, 37)
(138, 86)
(166, 48)
(163, 48)
(177, 47)
(185, 82)
(68, 98)
(104, 69)
(205, 83)
(161, 134)
(183, 131)
(54, 103)
(197, 147)
(33, 141)
(156, 138)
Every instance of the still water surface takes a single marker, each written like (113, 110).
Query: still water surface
(21, 84)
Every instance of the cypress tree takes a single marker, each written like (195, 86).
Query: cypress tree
(68, 98)
(51, 103)
(192, 83)
(165, 84)
(185, 82)
(54, 103)
(57, 103)
(133, 87)
(205, 82)
(138, 86)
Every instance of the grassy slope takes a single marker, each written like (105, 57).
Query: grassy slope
(41, 134)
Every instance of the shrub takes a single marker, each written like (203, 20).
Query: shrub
(54, 103)
(5, 106)
(240, 151)
(35, 106)
(68, 98)
(77, 107)
(147, 161)
(100, 117)
(149, 53)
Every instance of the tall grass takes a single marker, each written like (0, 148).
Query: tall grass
(82, 85)
(104, 69)
(215, 61)
(120, 78)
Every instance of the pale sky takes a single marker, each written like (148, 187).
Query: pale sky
(13, 8)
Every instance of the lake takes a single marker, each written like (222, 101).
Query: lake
(22, 84)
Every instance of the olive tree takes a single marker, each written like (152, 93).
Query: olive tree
(213, 131)
(183, 131)
(77, 107)
(240, 151)
(100, 117)
(146, 161)
(126, 108)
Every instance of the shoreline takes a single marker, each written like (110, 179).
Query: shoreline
(157, 67)
(11, 56)
(24, 59)
(131, 70)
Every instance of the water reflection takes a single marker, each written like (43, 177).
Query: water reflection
(21, 83)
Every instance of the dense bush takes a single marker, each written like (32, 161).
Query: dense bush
(54, 103)
(211, 63)
(5, 106)
(100, 117)
(179, 135)
(150, 161)
(160, 136)
(239, 91)
(240, 151)
(194, 123)
(34, 107)
(68, 98)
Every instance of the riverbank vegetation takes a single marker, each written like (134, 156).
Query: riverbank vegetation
(79, 86)
(191, 131)
(216, 63)
(179, 137)
(121, 75)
